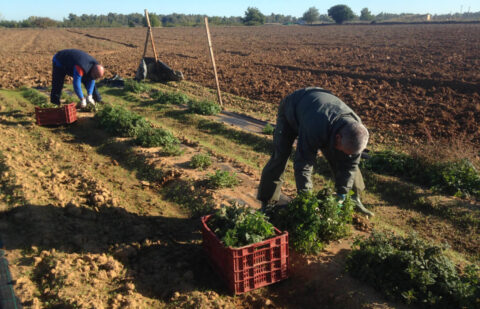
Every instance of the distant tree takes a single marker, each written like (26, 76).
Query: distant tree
(366, 15)
(340, 13)
(253, 17)
(325, 18)
(311, 15)
(154, 20)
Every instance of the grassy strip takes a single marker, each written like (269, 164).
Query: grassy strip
(458, 178)
(411, 270)
(36, 98)
(222, 179)
(176, 98)
(122, 122)
(268, 129)
(204, 107)
(200, 161)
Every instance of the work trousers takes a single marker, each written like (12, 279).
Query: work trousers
(272, 179)
(58, 78)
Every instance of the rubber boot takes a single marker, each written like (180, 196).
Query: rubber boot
(360, 208)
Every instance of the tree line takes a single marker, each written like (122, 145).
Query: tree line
(253, 16)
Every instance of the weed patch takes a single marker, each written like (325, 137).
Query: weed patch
(411, 270)
(459, 178)
(222, 179)
(120, 121)
(312, 220)
(36, 98)
(238, 226)
(204, 107)
(157, 137)
(268, 129)
(176, 98)
(200, 161)
(136, 87)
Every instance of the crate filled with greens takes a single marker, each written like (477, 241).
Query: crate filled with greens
(56, 115)
(245, 249)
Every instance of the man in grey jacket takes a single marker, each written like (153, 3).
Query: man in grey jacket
(321, 121)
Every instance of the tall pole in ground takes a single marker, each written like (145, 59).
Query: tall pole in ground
(149, 34)
(213, 62)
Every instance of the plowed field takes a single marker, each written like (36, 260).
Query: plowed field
(417, 79)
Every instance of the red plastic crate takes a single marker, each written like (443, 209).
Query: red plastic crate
(56, 116)
(249, 267)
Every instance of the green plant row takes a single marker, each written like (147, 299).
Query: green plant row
(312, 220)
(136, 87)
(36, 98)
(222, 179)
(203, 107)
(176, 98)
(200, 161)
(411, 270)
(122, 122)
(459, 178)
(238, 226)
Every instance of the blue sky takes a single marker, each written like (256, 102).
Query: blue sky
(22, 9)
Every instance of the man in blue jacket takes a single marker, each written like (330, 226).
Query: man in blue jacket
(83, 68)
(321, 121)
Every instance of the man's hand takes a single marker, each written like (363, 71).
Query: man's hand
(83, 103)
(340, 199)
(90, 99)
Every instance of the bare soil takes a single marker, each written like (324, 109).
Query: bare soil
(418, 80)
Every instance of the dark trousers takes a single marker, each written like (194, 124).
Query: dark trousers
(272, 179)
(58, 78)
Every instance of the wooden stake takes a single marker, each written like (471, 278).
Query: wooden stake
(149, 34)
(213, 62)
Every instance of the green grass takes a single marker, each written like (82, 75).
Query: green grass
(200, 161)
(223, 179)
(120, 121)
(158, 137)
(176, 98)
(459, 178)
(413, 271)
(204, 107)
(36, 98)
(268, 129)
(136, 87)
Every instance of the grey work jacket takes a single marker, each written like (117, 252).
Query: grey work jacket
(317, 115)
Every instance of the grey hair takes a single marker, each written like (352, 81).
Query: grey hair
(354, 137)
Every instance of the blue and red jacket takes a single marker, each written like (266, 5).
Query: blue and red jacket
(77, 64)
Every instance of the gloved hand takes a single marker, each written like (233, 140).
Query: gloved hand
(83, 103)
(340, 199)
(90, 99)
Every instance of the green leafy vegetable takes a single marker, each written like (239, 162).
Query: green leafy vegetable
(238, 226)
(410, 269)
(314, 220)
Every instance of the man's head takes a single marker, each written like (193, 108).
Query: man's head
(97, 71)
(352, 138)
